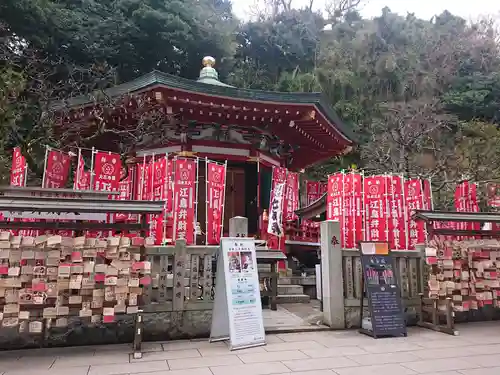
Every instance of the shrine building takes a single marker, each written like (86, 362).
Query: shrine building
(252, 130)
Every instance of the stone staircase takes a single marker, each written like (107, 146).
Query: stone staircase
(291, 291)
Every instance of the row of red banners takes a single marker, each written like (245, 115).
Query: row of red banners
(170, 180)
(378, 208)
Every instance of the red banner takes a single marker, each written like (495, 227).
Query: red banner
(107, 170)
(396, 214)
(334, 199)
(348, 211)
(493, 194)
(143, 191)
(216, 176)
(56, 170)
(184, 199)
(82, 177)
(414, 201)
(125, 189)
(18, 170)
(376, 208)
(292, 196)
(312, 191)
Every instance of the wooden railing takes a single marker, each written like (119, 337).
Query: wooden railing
(182, 278)
(409, 271)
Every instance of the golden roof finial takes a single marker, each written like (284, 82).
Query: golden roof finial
(208, 61)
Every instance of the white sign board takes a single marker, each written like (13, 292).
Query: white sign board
(237, 313)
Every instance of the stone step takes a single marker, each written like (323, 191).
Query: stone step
(290, 289)
(297, 280)
(293, 298)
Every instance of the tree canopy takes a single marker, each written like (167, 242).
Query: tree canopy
(423, 96)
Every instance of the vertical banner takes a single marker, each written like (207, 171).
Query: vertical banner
(125, 189)
(357, 191)
(276, 202)
(18, 169)
(322, 188)
(82, 177)
(335, 201)
(375, 208)
(414, 201)
(292, 196)
(349, 209)
(216, 182)
(397, 215)
(57, 165)
(107, 170)
(312, 192)
(143, 190)
(184, 199)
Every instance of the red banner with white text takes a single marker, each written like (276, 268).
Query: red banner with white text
(414, 201)
(397, 213)
(184, 199)
(292, 196)
(18, 169)
(216, 180)
(82, 177)
(107, 170)
(56, 170)
(376, 208)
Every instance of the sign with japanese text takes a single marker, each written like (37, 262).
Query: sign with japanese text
(375, 208)
(493, 194)
(277, 202)
(184, 199)
(466, 201)
(352, 209)
(125, 190)
(237, 313)
(312, 191)
(414, 201)
(143, 186)
(18, 169)
(107, 170)
(397, 213)
(56, 170)
(292, 196)
(216, 176)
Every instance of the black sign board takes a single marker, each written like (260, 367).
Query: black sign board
(384, 297)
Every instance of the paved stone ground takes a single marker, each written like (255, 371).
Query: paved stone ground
(293, 317)
(475, 352)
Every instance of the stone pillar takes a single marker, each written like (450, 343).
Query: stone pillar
(331, 275)
(238, 226)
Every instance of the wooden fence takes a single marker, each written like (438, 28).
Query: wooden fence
(182, 278)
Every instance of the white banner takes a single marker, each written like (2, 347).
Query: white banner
(237, 313)
(275, 223)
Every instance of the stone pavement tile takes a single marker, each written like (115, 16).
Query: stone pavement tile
(484, 340)
(163, 356)
(105, 358)
(27, 364)
(489, 360)
(33, 371)
(208, 352)
(127, 368)
(389, 346)
(444, 353)
(383, 358)
(334, 352)
(438, 365)
(251, 369)
(319, 364)
(220, 360)
(191, 371)
(271, 339)
(481, 371)
(454, 342)
(309, 336)
(293, 346)
(285, 355)
(191, 344)
(314, 372)
(388, 369)
(149, 347)
(485, 349)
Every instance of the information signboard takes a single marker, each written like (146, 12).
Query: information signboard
(384, 298)
(237, 313)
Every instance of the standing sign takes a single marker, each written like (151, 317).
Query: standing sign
(237, 313)
(384, 298)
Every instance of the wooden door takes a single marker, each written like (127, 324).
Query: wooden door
(235, 195)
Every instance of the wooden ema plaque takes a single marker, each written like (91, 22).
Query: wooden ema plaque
(379, 280)
(46, 280)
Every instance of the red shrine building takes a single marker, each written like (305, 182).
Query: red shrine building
(253, 131)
